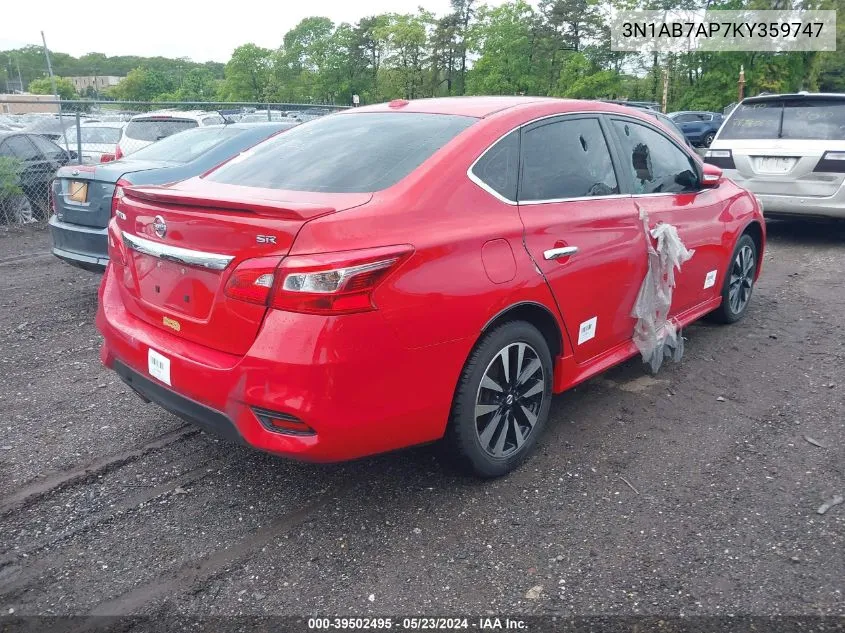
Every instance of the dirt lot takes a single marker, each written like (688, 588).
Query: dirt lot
(110, 506)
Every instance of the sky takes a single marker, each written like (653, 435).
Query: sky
(202, 31)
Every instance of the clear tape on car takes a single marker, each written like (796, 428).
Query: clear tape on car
(655, 335)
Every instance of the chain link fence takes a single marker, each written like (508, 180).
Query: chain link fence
(38, 137)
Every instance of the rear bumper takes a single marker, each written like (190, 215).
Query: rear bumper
(81, 246)
(793, 205)
(347, 378)
(208, 419)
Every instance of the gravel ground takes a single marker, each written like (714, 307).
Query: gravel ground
(692, 492)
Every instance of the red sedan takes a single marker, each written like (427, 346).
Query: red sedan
(414, 271)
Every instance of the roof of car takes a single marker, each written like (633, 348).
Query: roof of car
(185, 114)
(117, 124)
(794, 95)
(693, 112)
(465, 106)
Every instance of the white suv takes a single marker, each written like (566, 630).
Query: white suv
(789, 150)
(145, 129)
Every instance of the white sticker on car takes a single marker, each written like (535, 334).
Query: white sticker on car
(710, 279)
(587, 330)
(158, 366)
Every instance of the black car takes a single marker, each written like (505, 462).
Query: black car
(85, 195)
(36, 159)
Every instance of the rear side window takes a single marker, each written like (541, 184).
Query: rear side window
(498, 168)
(801, 118)
(48, 148)
(157, 129)
(656, 164)
(566, 159)
(21, 148)
(344, 154)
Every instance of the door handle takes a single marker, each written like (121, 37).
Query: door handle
(557, 253)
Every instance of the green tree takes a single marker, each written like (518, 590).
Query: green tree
(143, 84)
(247, 74)
(506, 41)
(44, 86)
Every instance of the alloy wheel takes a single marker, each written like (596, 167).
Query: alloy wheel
(509, 399)
(742, 279)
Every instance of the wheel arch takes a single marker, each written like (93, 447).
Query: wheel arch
(755, 231)
(537, 315)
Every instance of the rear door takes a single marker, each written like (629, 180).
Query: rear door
(582, 233)
(664, 178)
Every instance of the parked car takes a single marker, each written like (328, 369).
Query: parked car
(85, 196)
(700, 128)
(261, 115)
(39, 159)
(145, 129)
(646, 108)
(789, 149)
(99, 140)
(51, 127)
(406, 272)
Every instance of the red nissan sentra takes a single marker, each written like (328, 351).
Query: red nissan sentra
(411, 271)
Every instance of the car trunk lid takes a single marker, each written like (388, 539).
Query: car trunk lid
(180, 245)
(83, 193)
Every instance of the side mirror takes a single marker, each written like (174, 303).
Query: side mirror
(711, 175)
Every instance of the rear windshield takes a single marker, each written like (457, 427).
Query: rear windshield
(186, 146)
(102, 135)
(807, 119)
(156, 129)
(347, 153)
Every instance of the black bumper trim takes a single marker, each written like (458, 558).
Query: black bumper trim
(206, 418)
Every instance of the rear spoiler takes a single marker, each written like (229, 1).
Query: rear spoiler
(260, 206)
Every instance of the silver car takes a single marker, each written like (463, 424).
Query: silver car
(99, 140)
(789, 150)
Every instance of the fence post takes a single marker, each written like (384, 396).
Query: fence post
(268, 113)
(78, 139)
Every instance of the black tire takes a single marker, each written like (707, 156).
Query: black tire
(469, 442)
(708, 139)
(740, 275)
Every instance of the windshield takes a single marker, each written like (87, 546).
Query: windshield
(156, 129)
(797, 118)
(344, 154)
(186, 146)
(101, 135)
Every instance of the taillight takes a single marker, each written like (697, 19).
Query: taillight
(118, 153)
(54, 184)
(115, 245)
(334, 283)
(720, 157)
(107, 158)
(253, 280)
(117, 196)
(831, 163)
(330, 283)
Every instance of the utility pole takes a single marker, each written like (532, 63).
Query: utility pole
(665, 89)
(20, 79)
(741, 84)
(49, 67)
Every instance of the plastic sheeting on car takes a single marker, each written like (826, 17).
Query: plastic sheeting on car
(655, 335)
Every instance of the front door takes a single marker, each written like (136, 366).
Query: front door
(583, 234)
(665, 182)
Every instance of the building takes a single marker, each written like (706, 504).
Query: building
(24, 103)
(98, 83)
